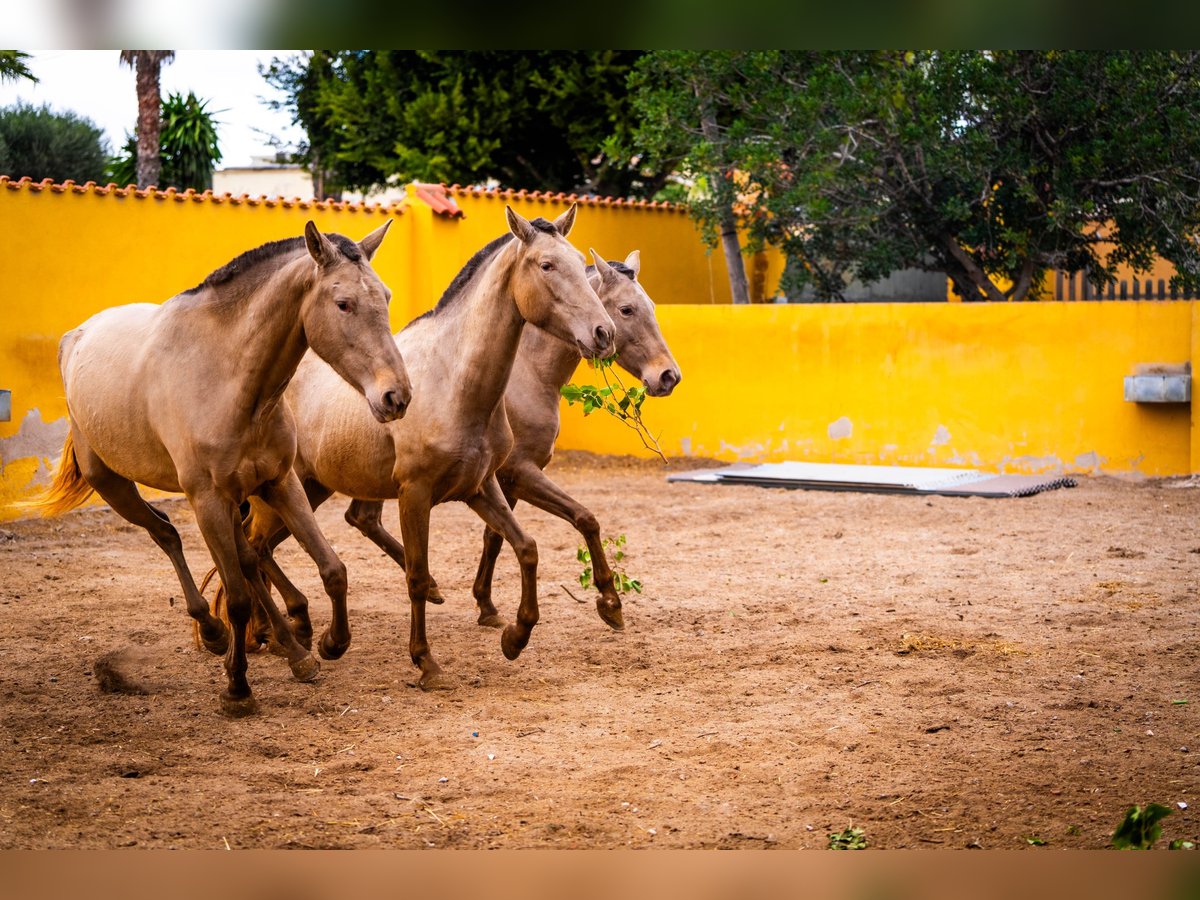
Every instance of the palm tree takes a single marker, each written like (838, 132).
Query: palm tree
(13, 66)
(148, 64)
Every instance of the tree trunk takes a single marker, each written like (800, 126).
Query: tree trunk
(970, 273)
(149, 65)
(727, 221)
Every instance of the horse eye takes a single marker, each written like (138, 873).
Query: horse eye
(547, 266)
(343, 305)
(627, 310)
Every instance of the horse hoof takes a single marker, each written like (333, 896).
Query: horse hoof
(438, 681)
(238, 707)
(331, 649)
(512, 643)
(305, 669)
(611, 615)
(435, 596)
(216, 645)
(491, 620)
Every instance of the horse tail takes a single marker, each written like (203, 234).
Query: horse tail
(67, 490)
(220, 609)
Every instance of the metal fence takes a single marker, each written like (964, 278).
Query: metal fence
(1076, 286)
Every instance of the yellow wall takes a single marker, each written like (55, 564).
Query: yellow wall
(1018, 387)
(1003, 387)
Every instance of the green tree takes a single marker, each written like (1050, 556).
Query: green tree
(188, 149)
(40, 143)
(147, 64)
(13, 66)
(541, 120)
(988, 166)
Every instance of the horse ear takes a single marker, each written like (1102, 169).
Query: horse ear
(566, 221)
(603, 269)
(371, 242)
(520, 227)
(634, 261)
(319, 247)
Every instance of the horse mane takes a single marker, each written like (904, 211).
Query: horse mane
(252, 259)
(455, 289)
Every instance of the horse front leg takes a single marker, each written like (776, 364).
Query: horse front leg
(415, 501)
(529, 483)
(302, 663)
(491, 506)
(219, 522)
(367, 517)
(287, 497)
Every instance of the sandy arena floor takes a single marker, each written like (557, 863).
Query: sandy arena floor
(938, 672)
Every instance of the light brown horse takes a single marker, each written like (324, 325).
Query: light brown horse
(186, 397)
(543, 365)
(456, 433)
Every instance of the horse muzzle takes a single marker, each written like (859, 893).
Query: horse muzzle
(390, 405)
(664, 383)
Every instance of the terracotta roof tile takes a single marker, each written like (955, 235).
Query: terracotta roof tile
(582, 199)
(171, 193)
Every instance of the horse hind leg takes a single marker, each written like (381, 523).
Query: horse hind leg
(367, 517)
(493, 542)
(122, 495)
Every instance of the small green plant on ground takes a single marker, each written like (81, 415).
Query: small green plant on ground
(622, 403)
(849, 839)
(1036, 841)
(1140, 829)
(615, 548)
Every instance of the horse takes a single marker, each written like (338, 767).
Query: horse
(186, 396)
(543, 365)
(456, 433)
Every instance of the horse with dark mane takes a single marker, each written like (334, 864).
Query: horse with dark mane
(186, 396)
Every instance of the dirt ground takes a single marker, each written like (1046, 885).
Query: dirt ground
(938, 672)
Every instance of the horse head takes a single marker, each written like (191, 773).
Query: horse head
(345, 319)
(550, 284)
(641, 349)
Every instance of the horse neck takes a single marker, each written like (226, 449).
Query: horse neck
(266, 337)
(549, 360)
(485, 326)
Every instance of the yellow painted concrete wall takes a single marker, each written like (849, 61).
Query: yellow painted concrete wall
(1004, 387)
(1024, 387)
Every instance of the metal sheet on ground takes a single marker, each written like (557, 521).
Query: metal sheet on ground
(947, 482)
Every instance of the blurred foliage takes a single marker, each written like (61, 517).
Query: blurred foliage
(989, 166)
(13, 66)
(1140, 829)
(545, 120)
(188, 148)
(41, 143)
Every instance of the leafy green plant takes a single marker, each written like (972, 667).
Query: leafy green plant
(1036, 841)
(188, 149)
(1180, 844)
(849, 839)
(622, 403)
(614, 547)
(1140, 829)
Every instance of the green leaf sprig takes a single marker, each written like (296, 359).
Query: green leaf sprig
(615, 548)
(622, 403)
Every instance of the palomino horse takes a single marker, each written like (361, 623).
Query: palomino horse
(186, 397)
(456, 433)
(543, 365)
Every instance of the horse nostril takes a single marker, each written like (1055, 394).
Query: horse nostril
(392, 403)
(603, 337)
(669, 378)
